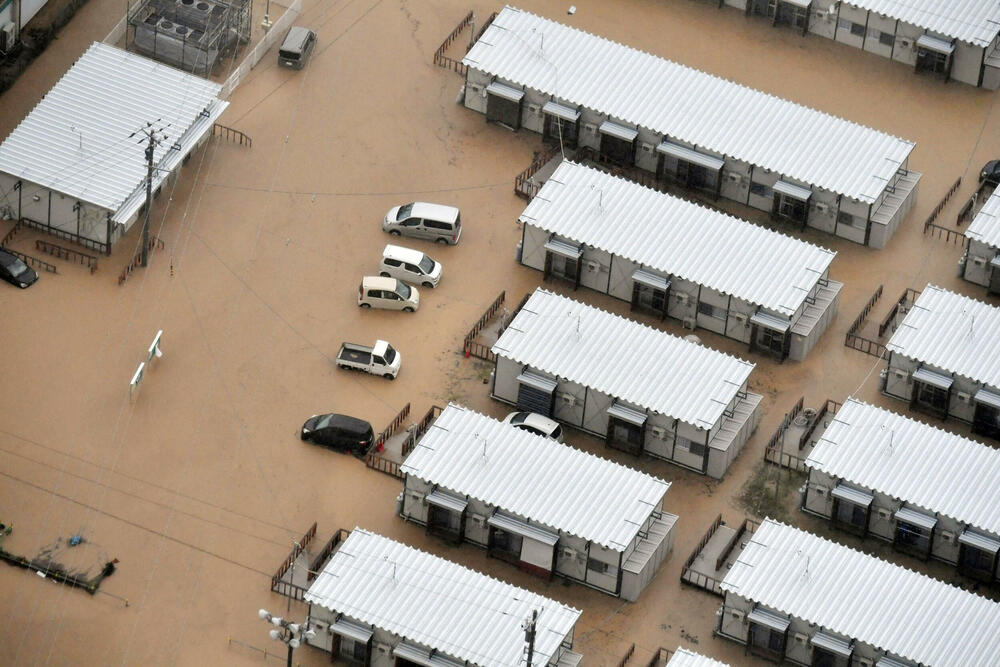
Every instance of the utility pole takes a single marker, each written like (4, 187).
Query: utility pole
(529, 636)
(152, 138)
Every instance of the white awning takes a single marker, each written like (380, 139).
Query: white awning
(995, 261)
(447, 501)
(768, 619)
(419, 656)
(854, 496)
(935, 44)
(560, 111)
(627, 414)
(688, 155)
(505, 91)
(932, 378)
(537, 381)
(979, 541)
(358, 633)
(987, 398)
(804, 4)
(518, 527)
(651, 280)
(920, 519)
(833, 644)
(890, 662)
(620, 131)
(564, 249)
(770, 321)
(793, 191)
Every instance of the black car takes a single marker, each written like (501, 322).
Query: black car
(990, 173)
(16, 272)
(339, 432)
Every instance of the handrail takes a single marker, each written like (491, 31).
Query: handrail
(628, 656)
(909, 294)
(154, 244)
(67, 253)
(418, 431)
(940, 205)
(328, 548)
(704, 540)
(442, 60)
(662, 656)
(67, 236)
(829, 407)
(523, 186)
(866, 345)
(299, 547)
(488, 314)
(232, 134)
(31, 260)
(777, 438)
(391, 429)
(747, 525)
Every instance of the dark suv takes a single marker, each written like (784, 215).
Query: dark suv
(339, 432)
(16, 272)
(990, 173)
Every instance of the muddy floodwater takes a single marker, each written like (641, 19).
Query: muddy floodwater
(199, 484)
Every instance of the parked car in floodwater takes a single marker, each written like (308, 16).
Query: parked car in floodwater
(15, 271)
(339, 432)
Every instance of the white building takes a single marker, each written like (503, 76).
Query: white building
(943, 360)
(381, 603)
(76, 166)
(641, 389)
(803, 166)
(792, 596)
(672, 257)
(543, 506)
(685, 658)
(981, 262)
(956, 39)
(929, 492)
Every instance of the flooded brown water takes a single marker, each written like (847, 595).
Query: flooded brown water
(200, 485)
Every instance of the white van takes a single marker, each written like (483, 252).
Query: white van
(421, 220)
(410, 265)
(388, 293)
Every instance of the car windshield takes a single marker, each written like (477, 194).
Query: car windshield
(427, 264)
(403, 290)
(404, 211)
(519, 418)
(323, 421)
(390, 354)
(16, 267)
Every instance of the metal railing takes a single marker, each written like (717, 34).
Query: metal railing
(941, 204)
(388, 466)
(523, 185)
(325, 553)
(421, 428)
(908, 297)
(830, 407)
(866, 345)
(276, 33)
(470, 348)
(90, 261)
(777, 441)
(628, 656)
(31, 260)
(154, 244)
(11, 234)
(440, 59)
(286, 588)
(748, 526)
(231, 134)
(695, 578)
(661, 657)
(391, 429)
(67, 236)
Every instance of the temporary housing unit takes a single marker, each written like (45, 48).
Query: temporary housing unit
(943, 360)
(957, 40)
(641, 389)
(76, 165)
(381, 603)
(544, 506)
(690, 128)
(929, 492)
(671, 257)
(14, 15)
(981, 262)
(794, 596)
(685, 658)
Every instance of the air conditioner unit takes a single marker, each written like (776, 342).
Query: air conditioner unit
(534, 109)
(741, 318)
(863, 662)
(979, 261)
(820, 490)
(382, 648)
(568, 399)
(905, 44)
(416, 495)
(736, 614)
(884, 513)
(901, 374)
(658, 432)
(7, 37)
(593, 266)
(568, 553)
(801, 638)
(948, 537)
(478, 518)
(590, 127)
(822, 207)
(646, 148)
(689, 323)
(963, 397)
(683, 297)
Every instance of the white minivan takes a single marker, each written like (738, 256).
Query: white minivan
(421, 220)
(410, 265)
(388, 293)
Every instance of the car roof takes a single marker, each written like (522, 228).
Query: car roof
(7, 257)
(539, 421)
(434, 211)
(403, 254)
(296, 37)
(378, 282)
(350, 424)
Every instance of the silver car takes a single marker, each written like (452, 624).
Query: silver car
(421, 220)
(535, 423)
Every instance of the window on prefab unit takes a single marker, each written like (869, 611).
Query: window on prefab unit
(914, 532)
(931, 398)
(977, 555)
(353, 650)
(710, 310)
(760, 189)
(792, 208)
(771, 340)
(767, 634)
(857, 30)
(986, 418)
(844, 218)
(597, 566)
(506, 542)
(886, 39)
(695, 448)
(851, 514)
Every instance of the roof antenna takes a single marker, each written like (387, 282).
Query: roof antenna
(73, 128)
(386, 559)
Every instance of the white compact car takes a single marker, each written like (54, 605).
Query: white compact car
(409, 265)
(421, 220)
(535, 423)
(388, 293)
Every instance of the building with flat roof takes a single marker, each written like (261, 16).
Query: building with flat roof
(981, 261)
(804, 167)
(943, 360)
(544, 506)
(641, 389)
(930, 492)
(669, 256)
(382, 603)
(76, 166)
(792, 596)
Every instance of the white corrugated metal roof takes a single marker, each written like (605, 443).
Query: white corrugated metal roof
(103, 98)
(624, 359)
(985, 227)
(920, 464)
(865, 598)
(544, 481)
(687, 105)
(678, 237)
(685, 658)
(973, 21)
(431, 601)
(953, 332)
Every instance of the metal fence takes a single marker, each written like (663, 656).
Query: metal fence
(692, 576)
(391, 429)
(660, 658)
(325, 553)
(628, 656)
(287, 588)
(860, 343)
(90, 261)
(471, 348)
(276, 32)
(154, 244)
(440, 59)
(903, 302)
(524, 187)
(231, 134)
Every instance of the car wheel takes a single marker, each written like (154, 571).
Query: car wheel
(394, 232)
(442, 240)
(389, 376)
(384, 274)
(366, 305)
(430, 285)
(407, 310)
